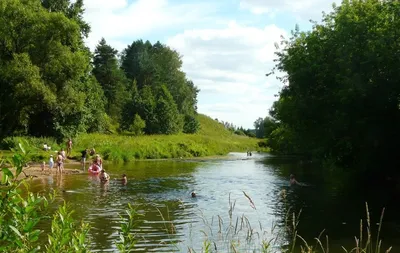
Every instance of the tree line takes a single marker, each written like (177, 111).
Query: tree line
(52, 85)
(341, 101)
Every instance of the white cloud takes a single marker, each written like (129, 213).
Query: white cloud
(302, 9)
(117, 19)
(231, 61)
(228, 61)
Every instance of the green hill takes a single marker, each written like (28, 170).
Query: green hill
(212, 139)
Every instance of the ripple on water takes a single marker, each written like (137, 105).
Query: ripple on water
(172, 220)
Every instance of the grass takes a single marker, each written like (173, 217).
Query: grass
(212, 139)
(238, 235)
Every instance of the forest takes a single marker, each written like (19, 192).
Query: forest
(53, 86)
(340, 102)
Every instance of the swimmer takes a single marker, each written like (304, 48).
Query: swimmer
(193, 194)
(104, 177)
(124, 179)
(293, 180)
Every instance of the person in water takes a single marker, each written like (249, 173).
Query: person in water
(98, 161)
(60, 160)
(124, 179)
(293, 180)
(104, 177)
(193, 194)
(84, 154)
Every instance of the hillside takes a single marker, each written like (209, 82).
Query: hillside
(212, 139)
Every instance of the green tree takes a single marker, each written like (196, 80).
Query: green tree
(158, 65)
(191, 124)
(71, 10)
(111, 78)
(137, 125)
(342, 93)
(169, 121)
(146, 108)
(260, 128)
(44, 72)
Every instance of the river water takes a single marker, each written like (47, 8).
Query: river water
(221, 212)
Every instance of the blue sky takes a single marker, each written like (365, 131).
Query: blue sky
(227, 46)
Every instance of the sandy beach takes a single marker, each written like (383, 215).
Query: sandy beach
(34, 170)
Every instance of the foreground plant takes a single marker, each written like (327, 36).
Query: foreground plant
(19, 215)
(66, 236)
(127, 238)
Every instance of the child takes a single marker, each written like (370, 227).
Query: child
(104, 177)
(124, 179)
(51, 162)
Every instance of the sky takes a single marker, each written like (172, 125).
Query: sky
(227, 46)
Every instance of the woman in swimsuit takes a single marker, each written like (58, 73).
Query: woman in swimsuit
(60, 160)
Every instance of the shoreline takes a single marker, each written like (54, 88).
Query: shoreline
(34, 170)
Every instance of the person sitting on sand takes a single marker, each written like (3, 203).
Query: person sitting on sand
(293, 180)
(124, 179)
(193, 194)
(104, 177)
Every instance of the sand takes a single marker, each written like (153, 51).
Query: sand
(34, 170)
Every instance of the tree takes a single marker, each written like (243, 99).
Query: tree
(342, 93)
(111, 78)
(138, 125)
(158, 65)
(44, 72)
(73, 11)
(191, 124)
(169, 121)
(260, 128)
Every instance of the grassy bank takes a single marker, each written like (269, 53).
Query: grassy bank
(212, 139)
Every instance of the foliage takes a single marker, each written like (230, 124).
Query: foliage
(111, 78)
(138, 125)
(44, 69)
(342, 92)
(127, 238)
(52, 85)
(66, 235)
(191, 125)
(19, 215)
(161, 94)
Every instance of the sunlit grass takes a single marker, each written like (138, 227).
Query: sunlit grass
(212, 139)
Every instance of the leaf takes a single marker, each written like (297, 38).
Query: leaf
(21, 148)
(7, 172)
(16, 231)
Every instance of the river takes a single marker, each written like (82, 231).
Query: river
(173, 221)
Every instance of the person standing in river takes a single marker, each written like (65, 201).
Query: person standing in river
(84, 154)
(69, 147)
(60, 160)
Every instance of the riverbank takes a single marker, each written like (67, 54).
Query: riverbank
(213, 139)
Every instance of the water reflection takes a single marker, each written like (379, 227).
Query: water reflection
(173, 220)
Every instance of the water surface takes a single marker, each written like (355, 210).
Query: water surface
(173, 221)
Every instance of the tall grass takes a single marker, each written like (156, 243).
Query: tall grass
(237, 234)
(212, 139)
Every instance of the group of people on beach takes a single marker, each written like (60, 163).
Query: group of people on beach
(62, 156)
